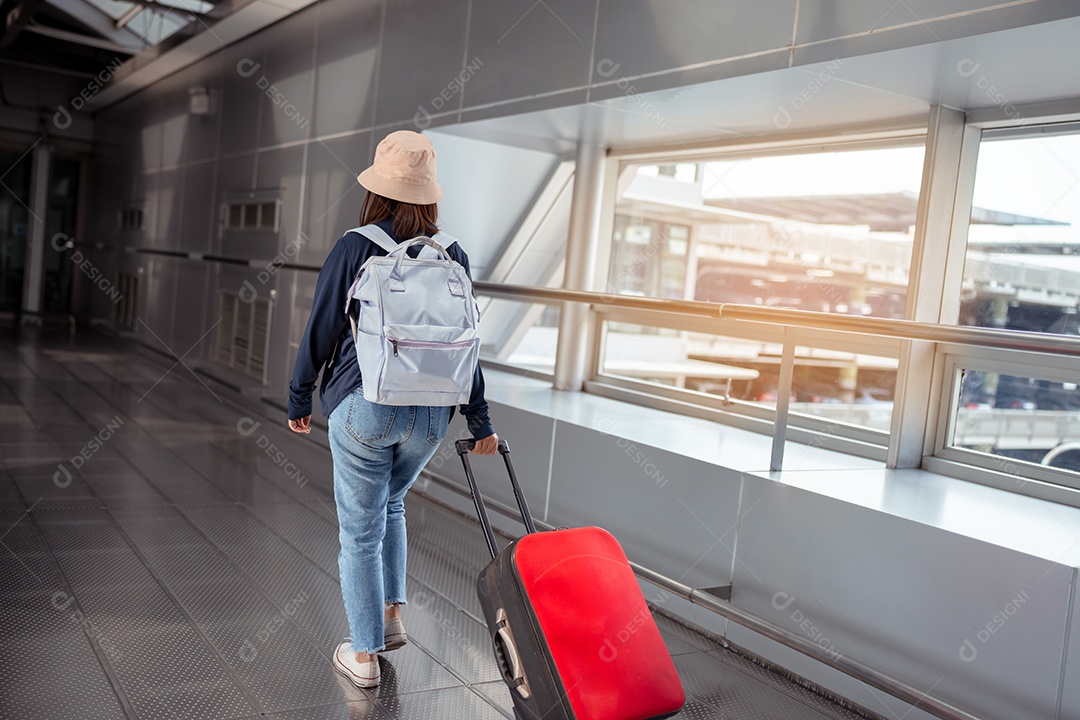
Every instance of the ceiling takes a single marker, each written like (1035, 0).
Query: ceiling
(87, 37)
(995, 73)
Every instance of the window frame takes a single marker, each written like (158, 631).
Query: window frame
(257, 199)
(1023, 477)
(952, 141)
(952, 359)
(854, 439)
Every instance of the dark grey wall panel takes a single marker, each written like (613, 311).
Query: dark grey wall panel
(196, 135)
(423, 51)
(934, 30)
(649, 36)
(287, 79)
(174, 123)
(280, 356)
(241, 69)
(144, 195)
(346, 62)
(283, 169)
(156, 327)
(827, 19)
(303, 294)
(115, 126)
(166, 235)
(195, 295)
(520, 48)
(332, 195)
(231, 279)
(197, 209)
(112, 182)
(148, 130)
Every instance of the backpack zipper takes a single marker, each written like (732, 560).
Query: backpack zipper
(431, 345)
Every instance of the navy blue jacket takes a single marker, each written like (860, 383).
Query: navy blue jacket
(328, 326)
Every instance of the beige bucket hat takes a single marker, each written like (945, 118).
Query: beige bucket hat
(404, 169)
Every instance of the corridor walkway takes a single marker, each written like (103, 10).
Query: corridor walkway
(167, 552)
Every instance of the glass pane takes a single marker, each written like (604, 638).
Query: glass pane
(1019, 418)
(828, 231)
(251, 216)
(838, 386)
(662, 355)
(267, 215)
(153, 25)
(521, 334)
(235, 216)
(1023, 267)
(112, 8)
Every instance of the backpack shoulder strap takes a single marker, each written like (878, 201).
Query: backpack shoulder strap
(377, 235)
(443, 239)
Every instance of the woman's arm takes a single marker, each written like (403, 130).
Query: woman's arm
(476, 410)
(325, 325)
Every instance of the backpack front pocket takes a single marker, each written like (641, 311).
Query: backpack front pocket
(429, 358)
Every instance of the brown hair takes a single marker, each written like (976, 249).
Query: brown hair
(409, 220)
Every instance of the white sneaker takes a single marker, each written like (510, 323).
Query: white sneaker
(362, 674)
(394, 634)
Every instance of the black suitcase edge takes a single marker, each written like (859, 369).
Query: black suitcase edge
(547, 697)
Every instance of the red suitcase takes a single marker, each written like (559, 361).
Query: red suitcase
(573, 636)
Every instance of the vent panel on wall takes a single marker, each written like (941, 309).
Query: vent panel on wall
(243, 336)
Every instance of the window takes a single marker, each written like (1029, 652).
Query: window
(256, 216)
(131, 218)
(1007, 421)
(824, 231)
(1023, 256)
(828, 231)
(649, 258)
(153, 24)
(1017, 412)
(519, 334)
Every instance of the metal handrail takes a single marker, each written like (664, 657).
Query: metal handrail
(862, 325)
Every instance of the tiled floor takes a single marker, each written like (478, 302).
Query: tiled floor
(167, 553)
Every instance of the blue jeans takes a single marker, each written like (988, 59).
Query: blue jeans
(378, 452)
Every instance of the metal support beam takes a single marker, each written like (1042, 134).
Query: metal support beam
(95, 20)
(571, 357)
(937, 264)
(17, 19)
(86, 40)
(34, 272)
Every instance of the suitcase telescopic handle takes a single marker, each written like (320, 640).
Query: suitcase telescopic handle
(463, 448)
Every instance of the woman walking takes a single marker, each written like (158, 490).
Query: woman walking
(378, 450)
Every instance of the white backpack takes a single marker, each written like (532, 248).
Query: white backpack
(415, 333)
